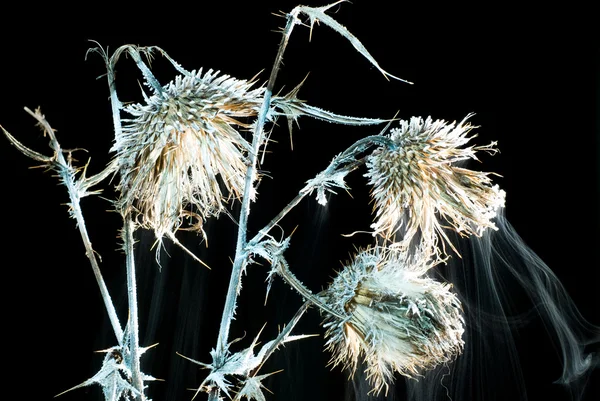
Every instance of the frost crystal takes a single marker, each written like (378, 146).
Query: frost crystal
(114, 377)
(240, 365)
(324, 181)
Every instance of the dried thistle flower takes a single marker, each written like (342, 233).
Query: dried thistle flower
(397, 319)
(182, 155)
(418, 186)
(177, 144)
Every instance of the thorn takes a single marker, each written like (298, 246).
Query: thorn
(294, 230)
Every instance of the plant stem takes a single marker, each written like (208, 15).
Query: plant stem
(89, 252)
(91, 255)
(240, 251)
(284, 271)
(134, 346)
(287, 329)
(345, 157)
(74, 189)
(150, 78)
(240, 254)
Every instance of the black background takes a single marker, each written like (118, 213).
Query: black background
(531, 77)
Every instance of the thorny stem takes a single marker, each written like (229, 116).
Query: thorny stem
(348, 154)
(135, 55)
(134, 341)
(287, 329)
(257, 140)
(67, 174)
(283, 270)
(89, 252)
(115, 103)
(240, 254)
(292, 204)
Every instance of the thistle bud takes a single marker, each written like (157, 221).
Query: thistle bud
(418, 189)
(396, 319)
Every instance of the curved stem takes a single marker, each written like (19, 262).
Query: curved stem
(283, 270)
(257, 141)
(287, 329)
(150, 78)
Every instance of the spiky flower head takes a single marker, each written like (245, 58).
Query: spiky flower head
(419, 189)
(177, 146)
(396, 318)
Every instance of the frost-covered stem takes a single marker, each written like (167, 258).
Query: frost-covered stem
(284, 271)
(287, 329)
(91, 255)
(150, 78)
(115, 103)
(134, 341)
(240, 254)
(67, 173)
(264, 231)
(348, 154)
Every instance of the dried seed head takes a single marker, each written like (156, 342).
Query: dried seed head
(417, 186)
(176, 145)
(397, 319)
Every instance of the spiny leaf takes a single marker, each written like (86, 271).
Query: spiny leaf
(318, 15)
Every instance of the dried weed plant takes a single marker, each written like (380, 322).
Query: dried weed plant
(182, 155)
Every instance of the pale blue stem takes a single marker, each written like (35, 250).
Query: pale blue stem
(240, 253)
(91, 255)
(134, 342)
(345, 157)
(287, 329)
(76, 190)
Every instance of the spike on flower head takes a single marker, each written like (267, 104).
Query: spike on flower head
(417, 186)
(397, 319)
(177, 146)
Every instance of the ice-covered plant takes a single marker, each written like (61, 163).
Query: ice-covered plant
(394, 316)
(417, 185)
(193, 147)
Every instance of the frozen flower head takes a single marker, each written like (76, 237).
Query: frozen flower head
(418, 188)
(396, 319)
(181, 154)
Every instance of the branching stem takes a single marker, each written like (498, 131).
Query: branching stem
(348, 162)
(75, 191)
(257, 141)
(287, 329)
(240, 258)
